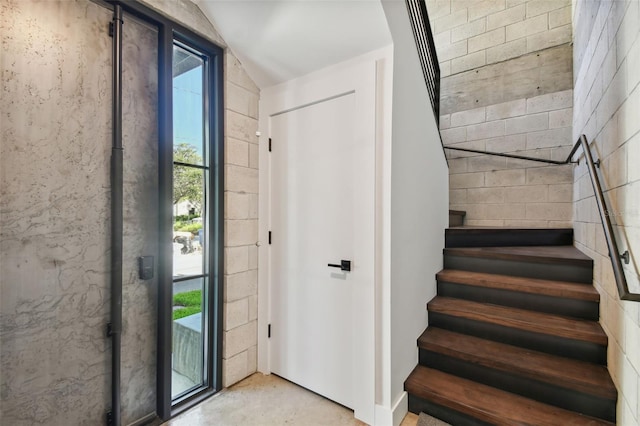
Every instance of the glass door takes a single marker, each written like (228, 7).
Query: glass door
(189, 213)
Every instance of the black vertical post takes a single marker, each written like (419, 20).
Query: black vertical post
(115, 329)
(165, 265)
(217, 209)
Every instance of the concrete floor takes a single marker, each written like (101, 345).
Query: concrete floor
(261, 400)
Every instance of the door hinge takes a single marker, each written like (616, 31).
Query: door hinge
(109, 418)
(109, 330)
(269, 331)
(111, 29)
(269, 237)
(269, 144)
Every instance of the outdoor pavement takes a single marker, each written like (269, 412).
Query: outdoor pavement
(185, 265)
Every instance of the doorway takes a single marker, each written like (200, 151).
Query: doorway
(322, 225)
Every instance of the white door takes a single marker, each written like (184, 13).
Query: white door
(322, 212)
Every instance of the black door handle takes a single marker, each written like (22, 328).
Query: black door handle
(345, 265)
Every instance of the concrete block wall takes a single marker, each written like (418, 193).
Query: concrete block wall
(606, 64)
(241, 223)
(489, 188)
(506, 87)
(470, 34)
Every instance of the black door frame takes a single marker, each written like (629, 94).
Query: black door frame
(168, 32)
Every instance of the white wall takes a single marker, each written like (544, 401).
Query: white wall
(412, 213)
(419, 205)
(607, 91)
(280, 40)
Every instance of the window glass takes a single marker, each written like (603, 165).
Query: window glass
(190, 212)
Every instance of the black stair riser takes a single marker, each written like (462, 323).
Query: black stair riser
(533, 389)
(568, 348)
(546, 271)
(534, 302)
(508, 238)
(418, 405)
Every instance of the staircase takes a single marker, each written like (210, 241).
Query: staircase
(513, 336)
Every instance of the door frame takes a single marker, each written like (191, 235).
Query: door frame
(357, 76)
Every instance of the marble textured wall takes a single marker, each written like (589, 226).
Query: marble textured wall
(54, 212)
(55, 133)
(140, 228)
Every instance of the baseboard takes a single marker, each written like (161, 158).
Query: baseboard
(400, 409)
(392, 416)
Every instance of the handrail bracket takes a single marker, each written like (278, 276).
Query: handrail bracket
(625, 256)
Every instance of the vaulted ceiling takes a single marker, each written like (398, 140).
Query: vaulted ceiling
(279, 40)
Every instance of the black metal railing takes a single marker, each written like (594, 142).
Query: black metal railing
(605, 218)
(568, 160)
(426, 51)
(431, 70)
(605, 214)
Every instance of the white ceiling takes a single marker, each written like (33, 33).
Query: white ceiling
(279, 40)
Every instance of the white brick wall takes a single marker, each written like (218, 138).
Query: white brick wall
(606, 72)
(241, 224)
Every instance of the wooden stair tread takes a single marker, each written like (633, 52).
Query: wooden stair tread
(520, 284)
(540, 254)
(489, 404)
(522, 319)
(591, 379)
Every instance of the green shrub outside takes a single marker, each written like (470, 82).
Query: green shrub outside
(190, 303)
(182, 222)
(185, 217)
(187, 227)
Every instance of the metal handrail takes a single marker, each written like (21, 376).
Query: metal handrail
(426, 51)
(522, 157)
(612, 245)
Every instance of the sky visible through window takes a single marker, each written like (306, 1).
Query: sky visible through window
(187, 109)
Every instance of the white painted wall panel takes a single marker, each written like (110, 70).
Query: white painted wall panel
(419, 205)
